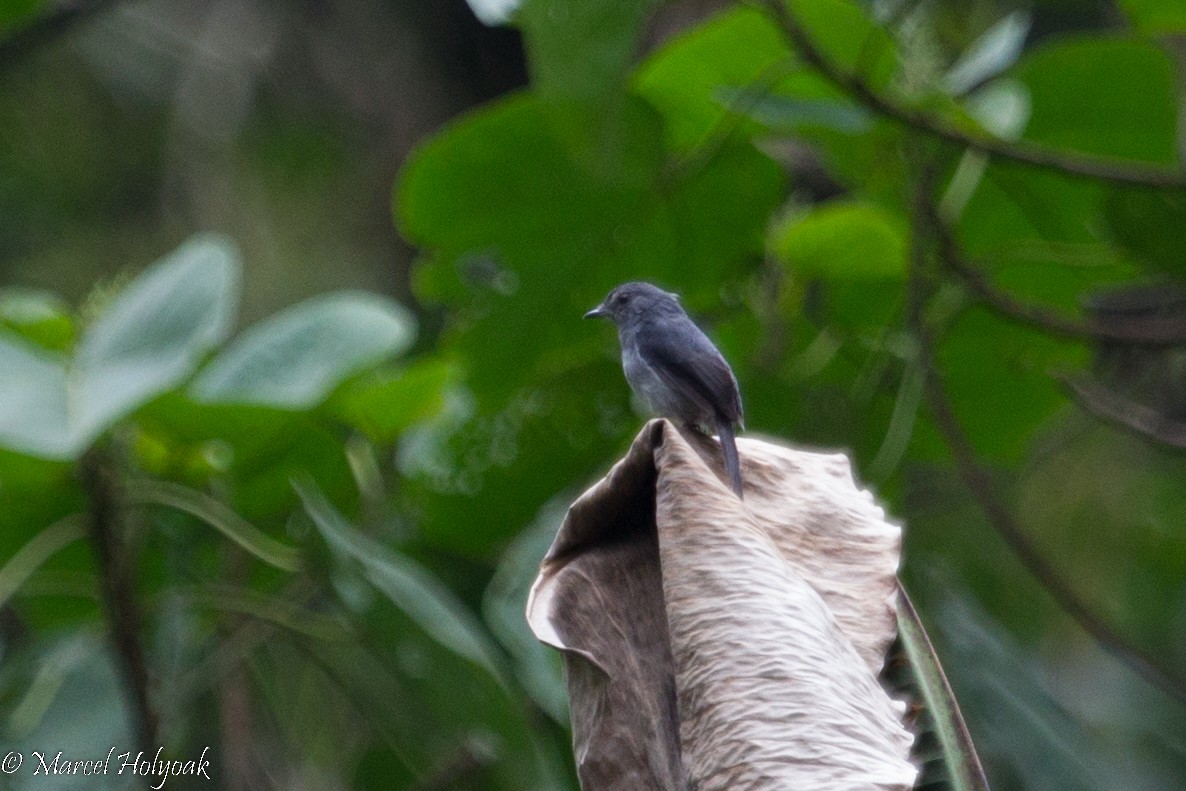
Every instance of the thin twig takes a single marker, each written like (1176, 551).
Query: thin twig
(116, 588)
(1150, 330)
(46, 28)
(979, 481)
(1027, 153)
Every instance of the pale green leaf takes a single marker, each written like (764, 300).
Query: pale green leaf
(990, 54)
(295, 359)
(152, 335)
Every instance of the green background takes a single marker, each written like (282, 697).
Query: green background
(299, 290)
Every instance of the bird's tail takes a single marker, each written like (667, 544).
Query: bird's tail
(729, 449)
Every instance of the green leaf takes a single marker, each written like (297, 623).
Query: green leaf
(989, 55)
(1103, 96)
(154, 333)
(267, 607)
(220, 517)
(682, 79)
(580, 53)
(849, 38)
(385, 403)
(16, 13)
(295, 359)
(960, 760)
(1156, 17)
(994, 368)
(842, 240)
(40, 316)
(411, 588)
(538, 668)
(541, 255)
(33, 414)
(39, 549)
(1151, 224)
(145, 342)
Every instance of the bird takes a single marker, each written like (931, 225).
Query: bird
(673, 367)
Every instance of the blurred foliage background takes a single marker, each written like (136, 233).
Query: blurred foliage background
(281, 493)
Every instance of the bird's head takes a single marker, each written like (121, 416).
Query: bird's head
(631, 300)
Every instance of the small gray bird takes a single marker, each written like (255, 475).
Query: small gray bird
(673, 366)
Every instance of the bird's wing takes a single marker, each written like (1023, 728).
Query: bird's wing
(689, 363)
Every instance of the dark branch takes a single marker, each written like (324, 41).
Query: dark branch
(117, 590)
(979, 481)
(1027, 153)
(46, 28)
(1114, 408)
(1142, 330)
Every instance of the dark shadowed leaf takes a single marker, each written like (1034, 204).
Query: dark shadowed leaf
(410, 587)
(40, 548)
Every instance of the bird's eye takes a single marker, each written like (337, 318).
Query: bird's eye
(619, 299)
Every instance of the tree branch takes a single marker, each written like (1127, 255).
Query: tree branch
(116, 588)
(979, 481)
(1027, 153)
(1114, 408)
(1145, 330)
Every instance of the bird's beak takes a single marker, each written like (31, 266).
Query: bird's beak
(598, 312)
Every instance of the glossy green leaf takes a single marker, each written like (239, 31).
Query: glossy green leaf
(411, 588)
(580, 51)
(1081, 87)
(842, 240)
(295, 359)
